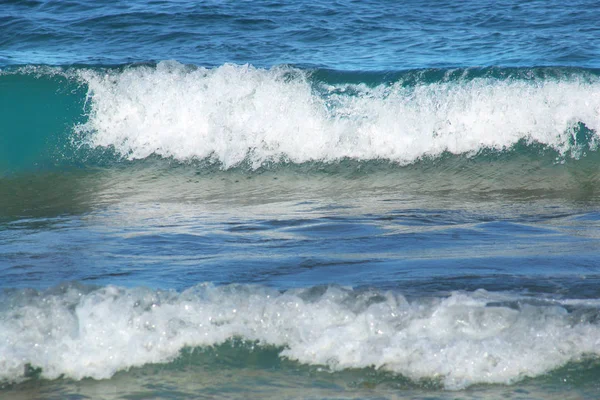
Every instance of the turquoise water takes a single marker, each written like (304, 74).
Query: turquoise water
(309, 200)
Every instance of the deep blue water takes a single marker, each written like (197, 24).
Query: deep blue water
(299, 199)
(343, 35)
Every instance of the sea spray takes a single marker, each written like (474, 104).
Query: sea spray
(233, 114)
(463, 339)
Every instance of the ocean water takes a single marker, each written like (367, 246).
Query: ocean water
(299, 200)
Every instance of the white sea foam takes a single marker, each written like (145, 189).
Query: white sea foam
(461, 340)
(240, 113)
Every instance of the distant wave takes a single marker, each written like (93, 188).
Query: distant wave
(233, 115)
(466, 338)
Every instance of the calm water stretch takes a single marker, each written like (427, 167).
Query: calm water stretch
(299, 200)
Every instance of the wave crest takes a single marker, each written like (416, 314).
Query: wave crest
(463, 339)
(234, 114)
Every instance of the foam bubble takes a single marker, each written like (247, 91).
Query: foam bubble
(463, 339)
(233, 114)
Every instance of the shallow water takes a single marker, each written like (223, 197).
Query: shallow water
(324, 200)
